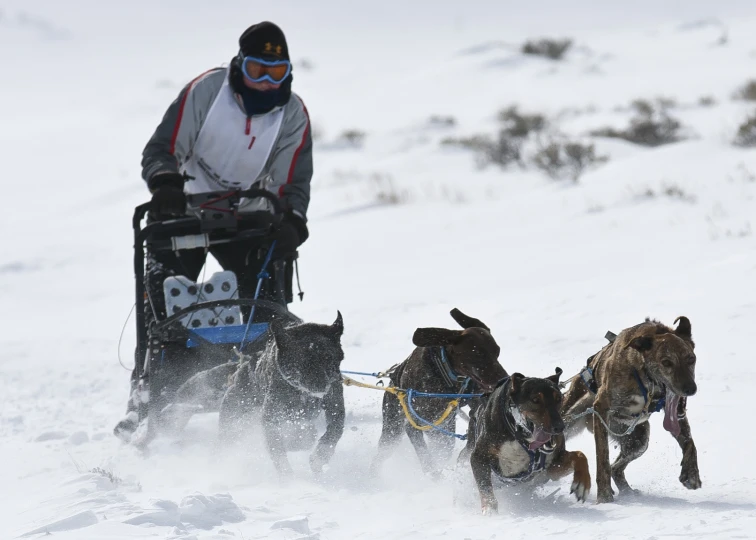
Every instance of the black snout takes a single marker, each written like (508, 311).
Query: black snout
(689, 388)
(557, 426)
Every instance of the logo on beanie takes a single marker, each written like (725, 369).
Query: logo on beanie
(273, 49)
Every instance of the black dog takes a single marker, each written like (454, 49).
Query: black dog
(445, 361)
(297, 376)
(517, 433)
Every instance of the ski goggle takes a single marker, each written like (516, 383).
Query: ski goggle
(259, 70)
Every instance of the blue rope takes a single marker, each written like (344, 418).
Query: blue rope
(410, 394)
(376, 375)
(449, 396)
(260, 277)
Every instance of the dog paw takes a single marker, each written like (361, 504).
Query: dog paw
(490, 509)
(285, 472)
(581, 480)
(690, 478)
(580, 489)
(605, 497)
(316, 465)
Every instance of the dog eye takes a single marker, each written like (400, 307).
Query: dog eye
(667, 363)
(692, 360)
(535, 400)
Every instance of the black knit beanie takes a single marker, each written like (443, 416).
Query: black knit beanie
(264, 40)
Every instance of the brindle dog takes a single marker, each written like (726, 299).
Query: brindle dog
(645, 368)
(445, 361)
(518, 434)
(296, 378)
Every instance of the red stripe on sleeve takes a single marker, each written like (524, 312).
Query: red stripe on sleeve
(297, 151)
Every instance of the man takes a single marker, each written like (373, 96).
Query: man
(231, 128)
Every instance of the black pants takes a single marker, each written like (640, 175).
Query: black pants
(245, 259)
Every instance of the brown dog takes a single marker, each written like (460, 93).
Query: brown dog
(517, 433)
(646, 368)
(445, 361)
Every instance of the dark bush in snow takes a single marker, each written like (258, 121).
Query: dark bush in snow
(566, 159)
(651, 126)
(353, 137)
(707, 101)
(547, 47)
(473, 142)
(747, 92)
(746, 134)
(442, 121)
(517, 124)
(502, 151)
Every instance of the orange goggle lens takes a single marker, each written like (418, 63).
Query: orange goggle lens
(258, 70)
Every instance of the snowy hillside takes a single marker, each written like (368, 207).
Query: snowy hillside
(405, 225)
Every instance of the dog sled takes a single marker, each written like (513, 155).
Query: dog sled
(206, 326)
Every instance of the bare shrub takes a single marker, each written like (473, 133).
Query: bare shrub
(502, 151)
(517, 124)
(671, 191)
(747, 92)
(442, 121)
(386, 191)
(567, 159)
(353, 137)
(553, 49)
(707, 101)
(473, 142)
(652, 125)
(110, 475)
(746, 134)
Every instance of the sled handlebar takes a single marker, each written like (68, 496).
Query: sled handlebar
(227, 196)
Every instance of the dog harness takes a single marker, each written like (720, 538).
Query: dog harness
(650, 407)
(537, 457)
(451, 379)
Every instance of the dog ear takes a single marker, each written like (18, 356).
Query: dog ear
(642, 343)
(279, 333)
(555, 378)
(467, 322)
(338, 325)
(516, 379)
(683, 329)
(435, 337)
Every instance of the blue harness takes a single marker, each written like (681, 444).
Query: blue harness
(447, 373)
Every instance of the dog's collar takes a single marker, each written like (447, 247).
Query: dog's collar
(648, 406)
(451, 378)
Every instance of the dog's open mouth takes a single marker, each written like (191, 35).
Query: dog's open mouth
(671, 421)
(540, 437)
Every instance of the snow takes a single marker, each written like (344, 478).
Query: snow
(548, 265)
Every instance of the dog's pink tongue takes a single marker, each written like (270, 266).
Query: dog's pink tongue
(540, 437)
(671, 422)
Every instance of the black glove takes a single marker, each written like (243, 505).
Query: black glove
(168, 197)
(292, 232)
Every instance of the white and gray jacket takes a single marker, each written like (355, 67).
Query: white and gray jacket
(207, 134)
